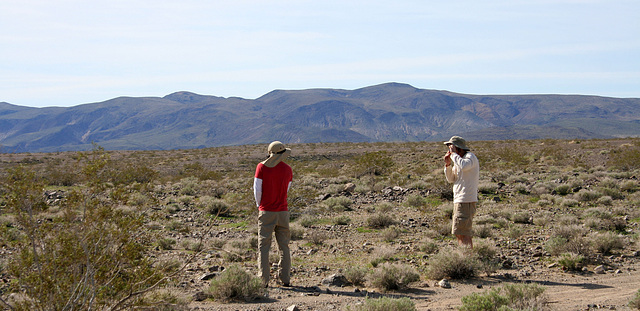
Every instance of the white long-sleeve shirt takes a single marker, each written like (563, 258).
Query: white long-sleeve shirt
(464, 173)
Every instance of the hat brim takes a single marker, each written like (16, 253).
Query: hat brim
(276, 158)
(452, 143)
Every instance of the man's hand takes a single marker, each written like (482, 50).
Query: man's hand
(447, 158)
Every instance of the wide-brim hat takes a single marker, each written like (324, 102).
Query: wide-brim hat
(277, 153)
(458, 142)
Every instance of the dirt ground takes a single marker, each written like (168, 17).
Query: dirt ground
(564, 291)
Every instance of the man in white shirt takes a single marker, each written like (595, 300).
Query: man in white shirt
(463, 170)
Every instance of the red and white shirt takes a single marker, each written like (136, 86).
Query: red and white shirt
(271, 185)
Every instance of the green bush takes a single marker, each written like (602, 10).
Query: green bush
(452, 263)
(571, 261)
(356, 275)
(385, 304)
(606, 242)
(372, 163)
(388, 276)
(415, 200)
(236, 283)
(380, 221)
(634, 303)
(338, 204)
(214, 206)
(508, 297)
(76, 260)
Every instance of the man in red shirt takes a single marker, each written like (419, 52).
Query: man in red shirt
(270, 187)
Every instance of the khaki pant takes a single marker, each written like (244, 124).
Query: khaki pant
(270, 222)
(463, 218)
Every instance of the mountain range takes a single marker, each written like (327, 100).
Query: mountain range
(385, 112)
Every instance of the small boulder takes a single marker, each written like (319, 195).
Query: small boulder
(444, 283)
(336, 279)
(349, 187)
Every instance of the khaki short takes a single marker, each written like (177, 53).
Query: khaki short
(463, 218)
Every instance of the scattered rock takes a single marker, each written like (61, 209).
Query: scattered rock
(336, 279)
(599, 270)
(349, 187)
(444, 283)
(293, 308)
(200, 296)
(208, 276)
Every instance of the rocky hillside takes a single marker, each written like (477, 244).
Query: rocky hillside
(386, 112)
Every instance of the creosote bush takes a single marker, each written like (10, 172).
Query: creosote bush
(357, 276)
(385, 304)
(461, 263)
(380, 221)
(338, 204)
(506, 298)
(388, 276)
(76, 260)
(634, 303)
(235, 283)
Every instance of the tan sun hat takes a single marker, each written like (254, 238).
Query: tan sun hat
(277, 153)
(458, 142)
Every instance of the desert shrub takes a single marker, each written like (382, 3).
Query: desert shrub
(166, 243)
(189, 186)
(571, 261)
(165, 300)
(452, 263)
(342, 220)
(585, 195)
(76, 260)
(567, 202)
(419, 185)
(384, 207)
(488, 188)
(235, 283)
(614, 193)
(213, 206)
(382, 255)
(605, 200)
(428, 246)
(297, 232)
(508, 297)
(512, 156)
(372, 163)
(138, 199)
(522, 218)
(338, 204)
(629, 186)
(393, 276)
(514, 232)
(317, 237)
(563, 189)
(385, 304)
(634, 303)
(218, 242)
(391, 233)
(482, 231)
(606, 242)
(568, 239)
(415, 201)
(380, 221)
(307, 221)
(625, 158)
(356, 275)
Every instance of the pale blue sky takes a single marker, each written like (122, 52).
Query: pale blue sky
(71, 52)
